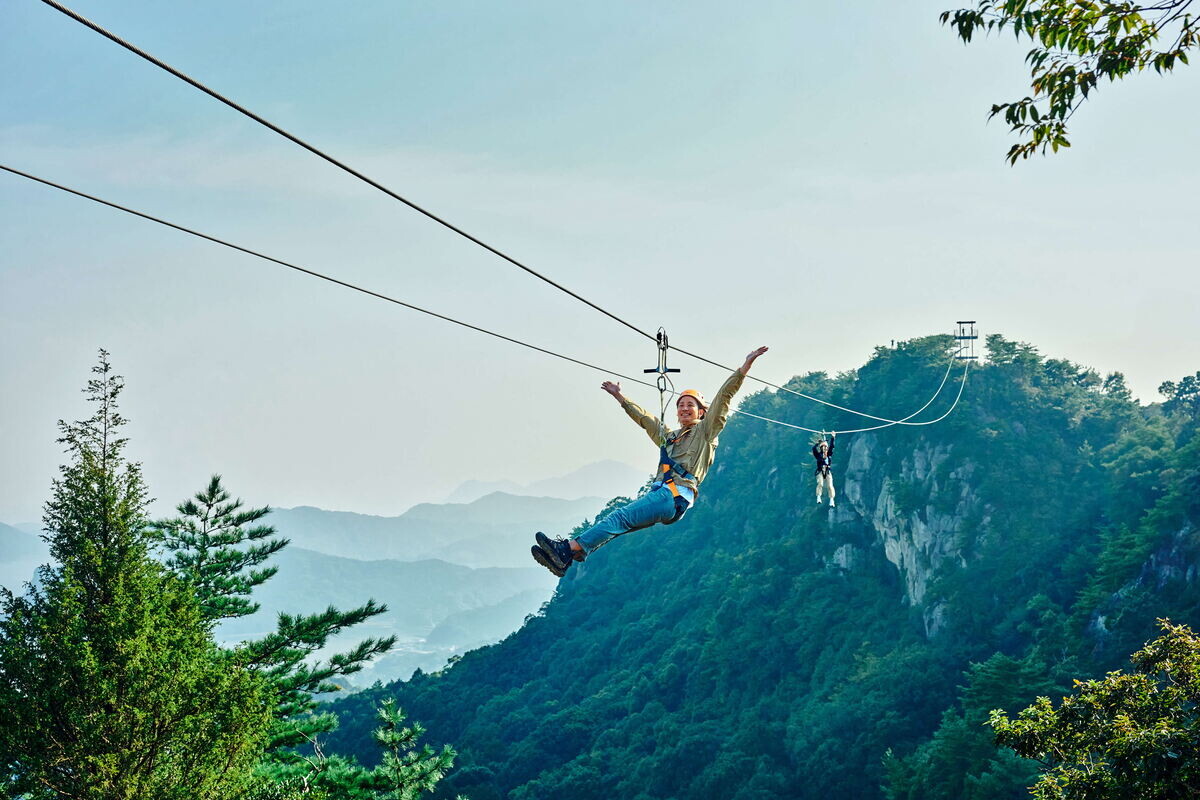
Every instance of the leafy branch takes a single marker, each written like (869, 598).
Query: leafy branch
(1078, 43)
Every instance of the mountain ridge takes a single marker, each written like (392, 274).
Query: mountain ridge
(605, 478)
(769, 647)
(491, 531)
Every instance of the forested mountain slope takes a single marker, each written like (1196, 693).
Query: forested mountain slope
(765, 647)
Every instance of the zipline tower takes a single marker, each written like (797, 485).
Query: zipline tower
(966, 333)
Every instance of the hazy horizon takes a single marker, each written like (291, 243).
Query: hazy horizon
(820, 180)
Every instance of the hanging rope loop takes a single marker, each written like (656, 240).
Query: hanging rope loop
(664, 383)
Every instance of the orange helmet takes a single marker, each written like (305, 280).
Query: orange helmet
(695, 395)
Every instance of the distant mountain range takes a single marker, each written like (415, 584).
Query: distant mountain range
(453, 607)
(20, 555)
(419, 594)
(605, 479)
(493, 531)
(454, 576)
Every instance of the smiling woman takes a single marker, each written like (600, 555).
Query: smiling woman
(685, 456)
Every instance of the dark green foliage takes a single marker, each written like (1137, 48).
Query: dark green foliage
(1076, 46)
(961, 761)
(204, 546)
(1123, 736)
(1183, 396)
(766, 648)
(217, 548)
(110, 686)
(220, 550)
(405, 773)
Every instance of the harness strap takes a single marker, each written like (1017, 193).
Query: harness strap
(668, 465)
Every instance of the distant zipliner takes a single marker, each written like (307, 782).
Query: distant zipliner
(823, 454)
(685, 457)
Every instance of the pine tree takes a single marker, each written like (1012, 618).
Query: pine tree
(203, 542)
(219, 549)
(110, 685)
(406, 772)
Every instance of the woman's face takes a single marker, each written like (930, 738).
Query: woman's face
(824, 448)
(688, 411)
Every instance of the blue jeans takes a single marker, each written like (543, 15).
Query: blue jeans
(655, 506)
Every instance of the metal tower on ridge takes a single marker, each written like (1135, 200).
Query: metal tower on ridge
(966, 333)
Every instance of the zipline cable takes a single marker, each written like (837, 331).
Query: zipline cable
(378, 295)
(341, 165)
(377, 185)
(314, 273)
(962, 384)
(890, 422)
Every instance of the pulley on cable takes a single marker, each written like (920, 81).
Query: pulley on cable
(662, 381)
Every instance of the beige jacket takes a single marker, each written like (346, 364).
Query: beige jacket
(695, 447)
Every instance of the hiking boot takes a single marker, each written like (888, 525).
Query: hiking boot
(543, 558)
(559, 550)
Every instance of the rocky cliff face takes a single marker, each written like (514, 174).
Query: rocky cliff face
(1175, 561)
(916, 511)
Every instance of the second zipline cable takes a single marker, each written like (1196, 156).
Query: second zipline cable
(314, 273)
(396, 196)
(961, 385)
(478, 329)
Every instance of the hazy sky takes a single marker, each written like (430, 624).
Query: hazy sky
(813, 177)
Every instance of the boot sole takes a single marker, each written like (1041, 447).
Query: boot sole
(547, 547)
(543, 558)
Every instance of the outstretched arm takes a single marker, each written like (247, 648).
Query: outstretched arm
(718, 412)
(750, 359)
(646, 421)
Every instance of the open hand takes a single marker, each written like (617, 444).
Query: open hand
(612, 388)
(750, 358)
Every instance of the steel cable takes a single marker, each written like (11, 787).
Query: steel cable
(314, 273)
(962, 384)
(317, 152)
(889, 422)
(469, 326)
(377, 185)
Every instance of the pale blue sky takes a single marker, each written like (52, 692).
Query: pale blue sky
(814, 178)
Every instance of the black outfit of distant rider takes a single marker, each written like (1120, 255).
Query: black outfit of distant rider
(824, 462)
(823, 475)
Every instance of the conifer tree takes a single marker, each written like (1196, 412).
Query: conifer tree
(220, 550)
(406, 772)
(203, 544)
(110, 685)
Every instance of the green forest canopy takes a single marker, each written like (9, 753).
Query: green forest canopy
(765, 647)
